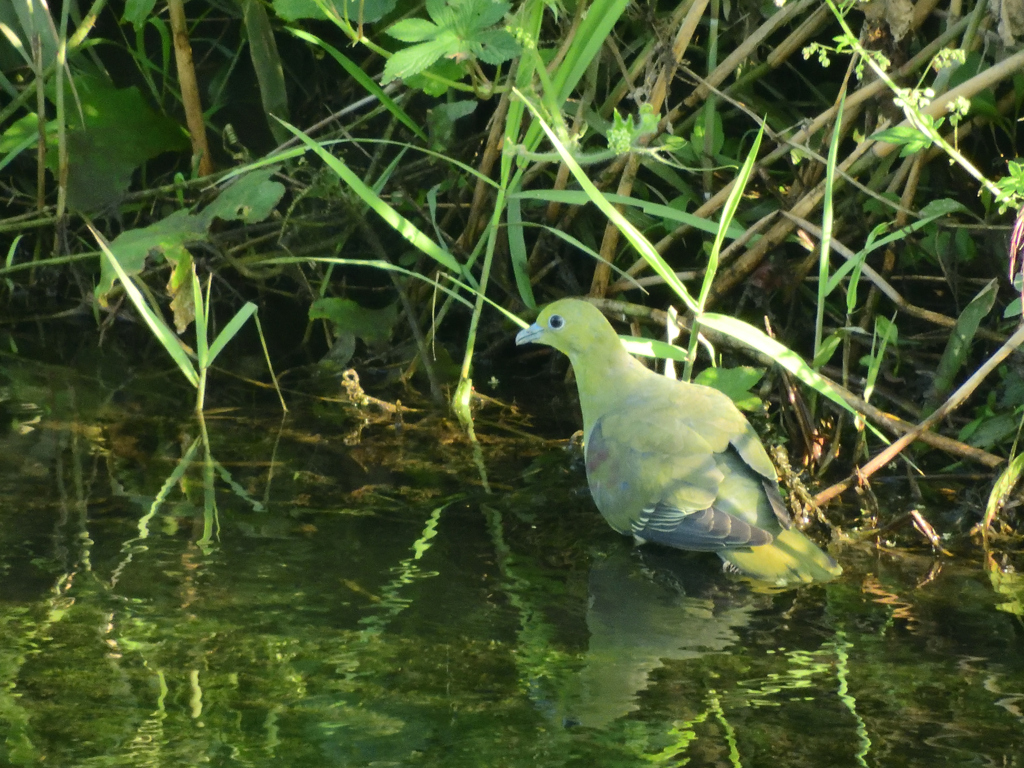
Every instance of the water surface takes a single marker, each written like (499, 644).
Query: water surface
(331, 590)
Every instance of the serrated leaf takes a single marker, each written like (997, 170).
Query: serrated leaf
(487, 13)
(413, 30)
(449, 69)
(436, 9)
(496, 46)
(415, 59)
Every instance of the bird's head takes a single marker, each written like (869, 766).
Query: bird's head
(571, 326)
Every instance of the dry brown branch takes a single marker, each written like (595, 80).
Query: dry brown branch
(189, 86)
(853, 103)
(610, 240)
(883, 285)
(954, 402)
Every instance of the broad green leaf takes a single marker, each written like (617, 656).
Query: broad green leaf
(415, 59)
(120, 133)
(131, 248)
(249, 199)
(371, 325)
(486, 13)
(136, 12)
(443, 69)
(737, 383)
(958, 345)
(1009, 585)
(413, 30)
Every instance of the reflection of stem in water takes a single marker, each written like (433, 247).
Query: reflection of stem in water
(79, 559)
(273, 739)
(406, 572)
(196, 700)
(210, 523)
(129, 547)
(478, 459)
(681, 733)
(273, 460)
(730, 733)
(842, 651)
(146, 747)
(535, 655)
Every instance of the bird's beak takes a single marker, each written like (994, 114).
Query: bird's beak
(528, 335)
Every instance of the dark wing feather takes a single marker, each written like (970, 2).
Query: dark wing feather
(771, 490)
(708, 530)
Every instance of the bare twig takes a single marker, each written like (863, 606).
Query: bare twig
(954, 402)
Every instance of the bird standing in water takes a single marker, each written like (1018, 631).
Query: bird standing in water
(674, 463)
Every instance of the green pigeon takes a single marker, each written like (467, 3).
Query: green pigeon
(673, 463)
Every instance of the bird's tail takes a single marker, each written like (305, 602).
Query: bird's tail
(791, 559)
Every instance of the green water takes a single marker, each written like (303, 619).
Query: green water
(321, 592)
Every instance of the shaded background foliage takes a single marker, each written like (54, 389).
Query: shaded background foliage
(442, 180)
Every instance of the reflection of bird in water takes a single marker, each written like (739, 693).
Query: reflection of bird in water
(643, 609)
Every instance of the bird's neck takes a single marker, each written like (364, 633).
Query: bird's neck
(605, 378)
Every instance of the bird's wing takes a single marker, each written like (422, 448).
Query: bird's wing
(708, 530)
(712, 414)
(652, 475)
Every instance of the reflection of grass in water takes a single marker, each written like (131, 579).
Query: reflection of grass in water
(190, 662)
(842, 650)
(407, 571)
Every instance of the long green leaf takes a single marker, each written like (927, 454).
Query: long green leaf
(517, 251)
(778, 352)
(632, 234)
(231, 329)
(356, 73)
(959, 344)
(578, 197)
(399, 223)
(267, 63)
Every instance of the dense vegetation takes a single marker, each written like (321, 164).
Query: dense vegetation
(388, 185)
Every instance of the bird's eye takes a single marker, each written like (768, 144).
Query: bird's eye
(556, 322)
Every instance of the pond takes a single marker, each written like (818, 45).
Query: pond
(349, 589)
